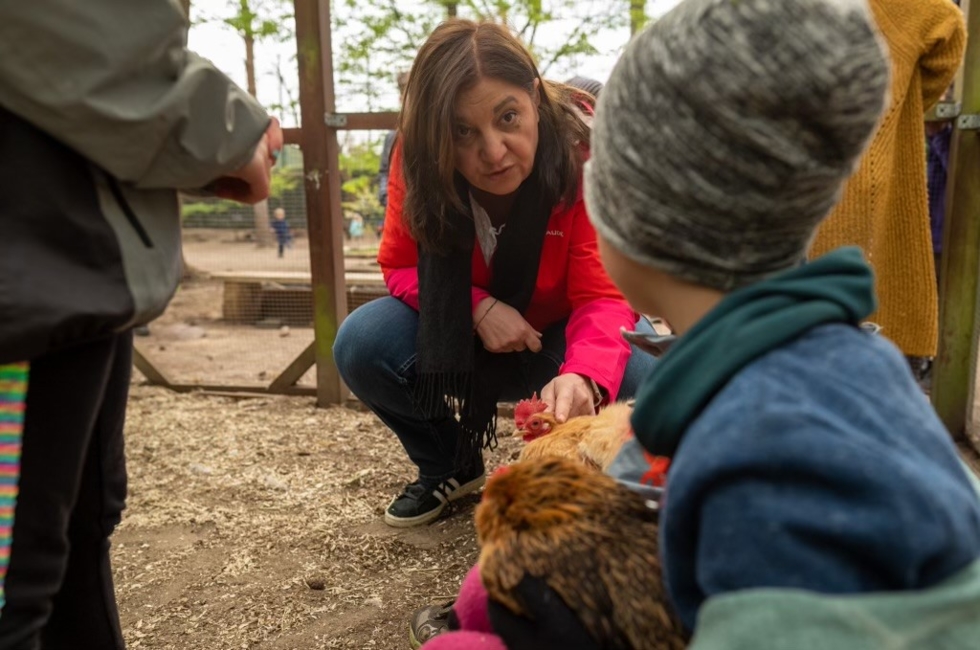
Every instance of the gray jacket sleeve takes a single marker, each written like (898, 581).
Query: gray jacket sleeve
(113, 80)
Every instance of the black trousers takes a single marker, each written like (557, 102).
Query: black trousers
(72, 493)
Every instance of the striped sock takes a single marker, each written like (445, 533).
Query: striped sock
(13, 391)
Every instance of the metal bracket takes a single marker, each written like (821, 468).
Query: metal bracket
(969, 122)
(948, 110)
(335, 120)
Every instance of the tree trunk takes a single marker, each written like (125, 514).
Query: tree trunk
(637, 16)
(451, 9)
(263, 233)
(186, 6)
(250, 64)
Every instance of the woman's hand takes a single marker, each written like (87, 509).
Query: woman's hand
(567, 396)
(503, 329)
(250, 184)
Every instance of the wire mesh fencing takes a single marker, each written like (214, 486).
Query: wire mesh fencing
(244, 310)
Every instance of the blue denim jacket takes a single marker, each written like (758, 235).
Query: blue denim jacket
(820, 466)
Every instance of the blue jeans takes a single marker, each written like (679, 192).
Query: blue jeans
(375, 354)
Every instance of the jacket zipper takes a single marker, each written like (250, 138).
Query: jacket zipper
(128, 212)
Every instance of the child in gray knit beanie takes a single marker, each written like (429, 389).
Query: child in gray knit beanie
(810, 480)
(727, 130)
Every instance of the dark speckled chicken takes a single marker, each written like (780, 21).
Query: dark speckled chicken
(593, 541)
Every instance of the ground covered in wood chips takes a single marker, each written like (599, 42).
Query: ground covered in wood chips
(257, 523)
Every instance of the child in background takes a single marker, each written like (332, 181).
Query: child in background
(281, 228)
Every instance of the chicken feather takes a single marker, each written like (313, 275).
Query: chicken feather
(591, 439)
(593, 541)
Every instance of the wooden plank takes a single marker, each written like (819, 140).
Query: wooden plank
(153, 374)
(241, 302)
(295, 370)
(355, 122)
(368, 121)
(255, 390)
(321, 175)
(955, 367)
(294, 277)
(262, 276)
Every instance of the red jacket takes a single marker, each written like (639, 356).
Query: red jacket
(571, 284)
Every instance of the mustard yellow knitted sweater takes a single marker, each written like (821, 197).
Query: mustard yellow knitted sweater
(884, 208)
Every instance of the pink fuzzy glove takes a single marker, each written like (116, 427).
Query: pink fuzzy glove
(463, 640)
(471, 611)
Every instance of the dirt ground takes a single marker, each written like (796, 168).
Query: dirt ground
(213, 250)
(257, 523)
(190, 343)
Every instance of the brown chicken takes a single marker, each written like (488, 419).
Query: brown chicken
(593, 541)
(591, 439)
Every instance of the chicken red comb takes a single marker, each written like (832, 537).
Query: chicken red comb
(526, 408)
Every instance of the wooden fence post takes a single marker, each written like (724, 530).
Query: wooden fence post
(322, 183)
(954, 375)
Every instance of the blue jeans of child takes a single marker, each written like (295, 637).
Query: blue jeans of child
(375, 352)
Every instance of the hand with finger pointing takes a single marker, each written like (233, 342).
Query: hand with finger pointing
(568, 395)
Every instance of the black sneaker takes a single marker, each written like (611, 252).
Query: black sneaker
(428, 622)
(422, 502)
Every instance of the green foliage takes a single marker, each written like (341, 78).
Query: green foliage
(259, 19)
(210, 207)
(381, 38)
(529, 17)
(198, 212)
(376, 41)
(357, 185)
(284, 179)
(360, 159)
(359, 166)
(638, 16)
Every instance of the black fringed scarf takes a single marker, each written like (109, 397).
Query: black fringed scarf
(452, 362)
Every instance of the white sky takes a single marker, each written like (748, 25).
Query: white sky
(219, 44)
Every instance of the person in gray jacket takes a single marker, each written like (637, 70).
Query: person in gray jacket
(104, 115)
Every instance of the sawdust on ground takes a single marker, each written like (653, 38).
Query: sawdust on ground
(257, 524)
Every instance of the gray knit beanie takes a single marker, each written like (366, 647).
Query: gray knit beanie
(726, 132)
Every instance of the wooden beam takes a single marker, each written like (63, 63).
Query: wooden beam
(153, 374)
(292, 374)
(365, 121)
(321, 157)
(349, 122)
(255, 391)
(955, 367)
